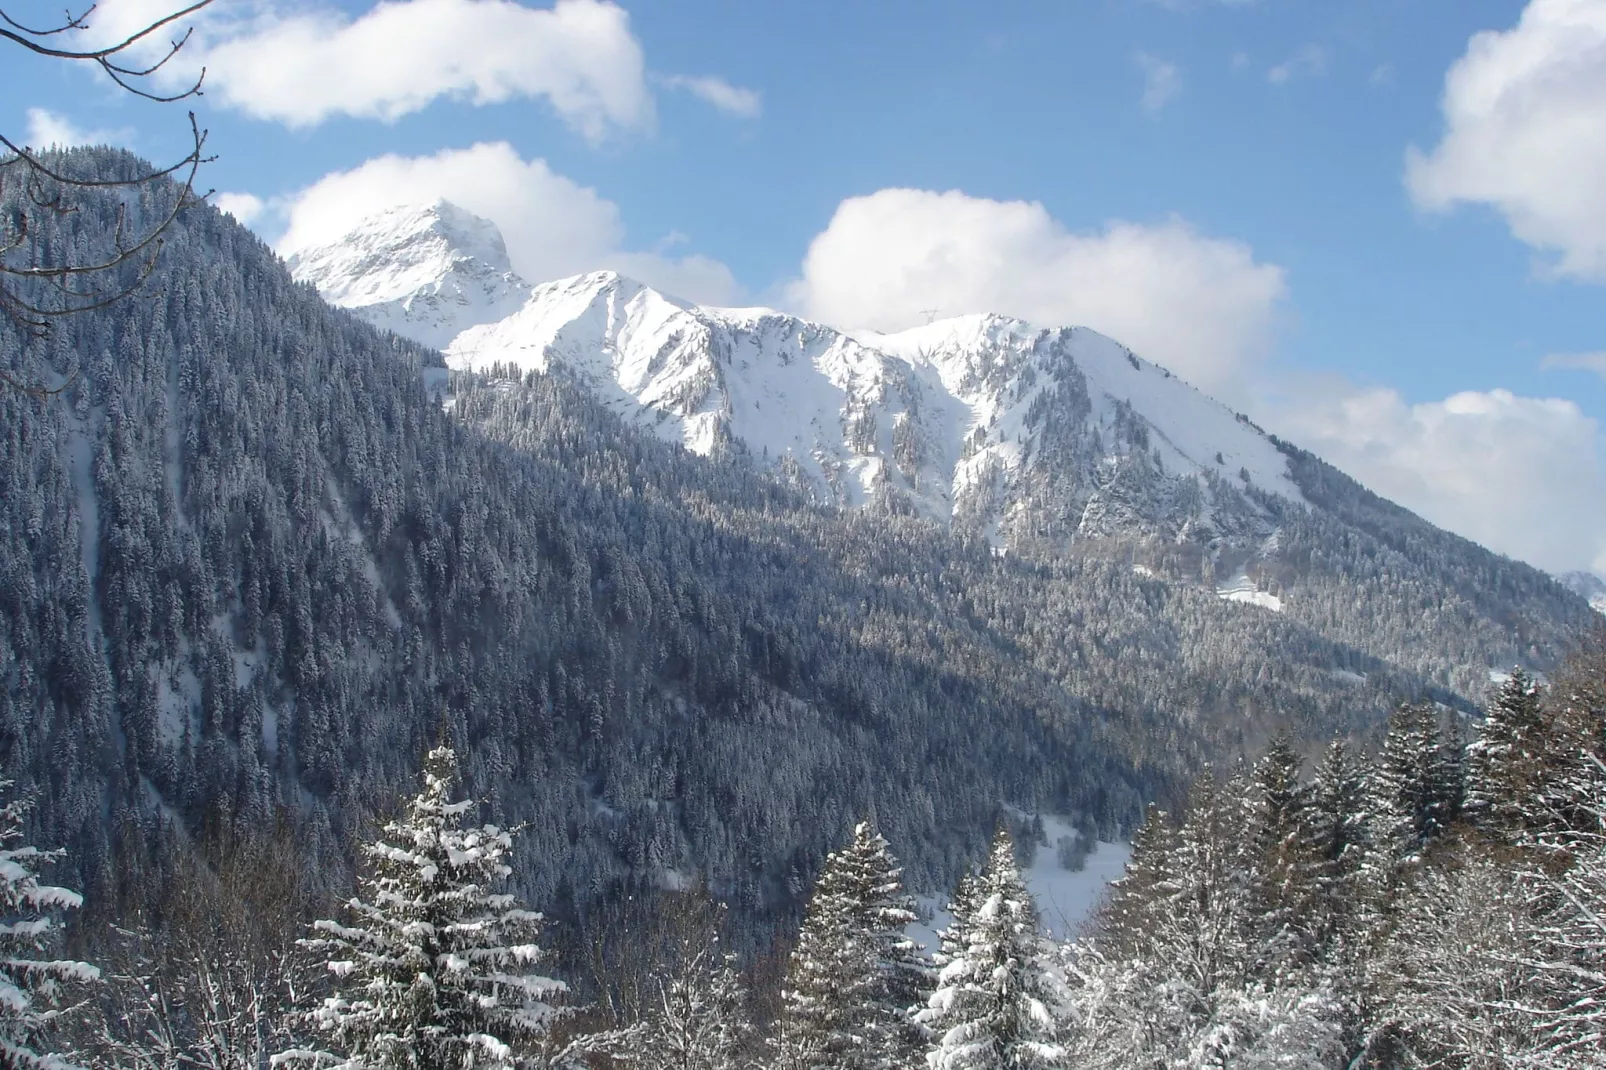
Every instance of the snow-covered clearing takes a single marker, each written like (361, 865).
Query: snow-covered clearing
(1065, 898)
(1240, 588)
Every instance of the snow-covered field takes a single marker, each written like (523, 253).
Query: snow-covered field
(1240, 588)
(1065, 899)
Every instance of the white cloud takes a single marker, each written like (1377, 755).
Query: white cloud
(303, 68)
(245, 207)
(1311, 60)
(552, 225)
(1520, 475)
(48, 128)
(1161, 81)
(730, 99)
(1525, 132)
(1201, 306)
(1593, 362)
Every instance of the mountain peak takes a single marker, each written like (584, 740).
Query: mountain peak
(425, 270)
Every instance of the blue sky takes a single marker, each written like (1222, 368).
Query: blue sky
(1227, 186)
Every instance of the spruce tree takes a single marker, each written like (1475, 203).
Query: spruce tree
(1338, 837)
(994, 1004)
(1414, 789)
(433, 972)
(1278, 869)
(854, 979)
(33, 988)
(1505, 763)
(954, 939)
(1128, 911)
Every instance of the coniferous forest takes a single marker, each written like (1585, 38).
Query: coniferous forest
(350, 722)
(1435, 901)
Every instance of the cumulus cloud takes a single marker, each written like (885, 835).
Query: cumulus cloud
(1201, 306)
(245, 207)
(304, 67)
(1161, 81)
(1521, 475)
(730, 99)
(1525, 133)
(552, 225)
(48, 128)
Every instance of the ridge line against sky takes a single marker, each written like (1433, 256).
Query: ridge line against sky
(1380, 231)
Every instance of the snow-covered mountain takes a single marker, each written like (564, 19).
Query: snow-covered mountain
(1589, 586)
(426, 272)
(989, 422)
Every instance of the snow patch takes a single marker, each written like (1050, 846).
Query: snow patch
(1240, 588)
(1065, 898)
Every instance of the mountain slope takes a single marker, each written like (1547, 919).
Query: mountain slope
(982, 420)
(1587, 585)
(1045, 442)
(249, 567)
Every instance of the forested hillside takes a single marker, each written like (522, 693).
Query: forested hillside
(252, 571)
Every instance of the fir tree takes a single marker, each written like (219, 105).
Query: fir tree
(854, 978)
(1338, 837)
(1134, 897)
(954, 939)
(992, 1007)
(433, 972)
(1414, 789)
(33, 989)
(1278, 869)
(1505, 761)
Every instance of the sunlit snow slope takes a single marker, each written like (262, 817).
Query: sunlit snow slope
(989, 422)
(424, 271)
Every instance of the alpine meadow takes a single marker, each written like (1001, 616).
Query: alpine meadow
(439, 631)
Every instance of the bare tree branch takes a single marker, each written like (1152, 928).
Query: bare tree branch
(37, 285)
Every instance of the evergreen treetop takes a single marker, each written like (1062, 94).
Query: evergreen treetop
(434, 970)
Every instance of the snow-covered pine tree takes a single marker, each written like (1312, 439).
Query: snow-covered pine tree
(1126, 913)
(1505, 763)
(33, 989)
(996, 1001)
(1563, 876)
(1278, 870)
(954, 939)
(1412, 786)
(1338, 834)
(1452, 982)
(434, 970)
(1169, 978)
(854, 979)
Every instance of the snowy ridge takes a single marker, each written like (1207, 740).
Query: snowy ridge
(427, 272)
(1589, 586)
(984, 421)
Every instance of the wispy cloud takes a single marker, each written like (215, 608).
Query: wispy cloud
(1162, 81)
(1591, 362)
(1311, 60)
(730, 99)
